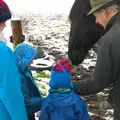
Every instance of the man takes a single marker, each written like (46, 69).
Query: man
(107, 71)
(11, 100)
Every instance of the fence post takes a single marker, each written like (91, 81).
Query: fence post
(16, 31)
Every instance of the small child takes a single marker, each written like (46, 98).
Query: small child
(25, 54)
(62, 103)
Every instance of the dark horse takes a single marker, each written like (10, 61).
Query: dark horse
(84, 32)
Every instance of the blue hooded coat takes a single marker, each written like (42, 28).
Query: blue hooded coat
(11, 100)
(63, 106)
(24, 54)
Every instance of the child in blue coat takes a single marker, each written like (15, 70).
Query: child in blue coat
(25, 54)
(62, 103)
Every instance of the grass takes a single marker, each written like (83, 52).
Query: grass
(41, 75)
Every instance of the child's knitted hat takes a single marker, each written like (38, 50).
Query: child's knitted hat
(61, 76)
(5, 13)
(24, 54)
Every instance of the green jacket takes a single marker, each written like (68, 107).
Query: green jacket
(107, 71)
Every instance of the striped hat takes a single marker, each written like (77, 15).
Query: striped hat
(5, 13)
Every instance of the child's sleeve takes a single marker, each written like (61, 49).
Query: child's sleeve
(44, 115)
(81, 109)
(45, 111)
(84, 114)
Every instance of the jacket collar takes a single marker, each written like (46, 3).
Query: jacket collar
(62, 91)
(2, 38)
(115, 19)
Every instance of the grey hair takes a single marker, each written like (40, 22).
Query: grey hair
(114, 8)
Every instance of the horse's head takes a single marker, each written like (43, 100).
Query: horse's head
(84, 31)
